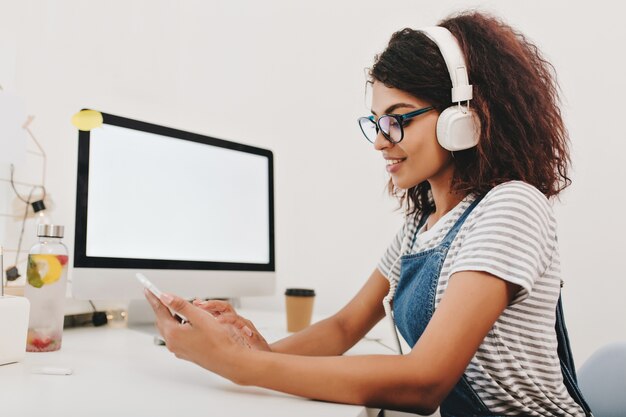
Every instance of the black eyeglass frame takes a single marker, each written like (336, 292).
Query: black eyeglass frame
(400, 118)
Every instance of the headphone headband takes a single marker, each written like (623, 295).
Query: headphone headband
(455, 61)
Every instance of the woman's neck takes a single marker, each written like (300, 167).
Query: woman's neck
(444, 197)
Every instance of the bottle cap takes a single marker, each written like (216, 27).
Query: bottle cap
(50, 230)
(38, 206)
(299, 292)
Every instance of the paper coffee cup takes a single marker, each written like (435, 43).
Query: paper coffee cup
(299, 305)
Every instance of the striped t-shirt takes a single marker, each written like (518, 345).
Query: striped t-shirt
(511, 234)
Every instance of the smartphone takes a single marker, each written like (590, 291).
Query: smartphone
(157, 293)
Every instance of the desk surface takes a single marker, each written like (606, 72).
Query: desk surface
(118, 371)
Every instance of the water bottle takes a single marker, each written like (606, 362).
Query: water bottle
(46, 280)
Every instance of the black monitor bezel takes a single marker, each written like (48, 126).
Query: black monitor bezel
(81, 260)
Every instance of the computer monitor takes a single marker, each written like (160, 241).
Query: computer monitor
(195, 214)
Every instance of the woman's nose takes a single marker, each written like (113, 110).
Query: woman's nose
(381, 142)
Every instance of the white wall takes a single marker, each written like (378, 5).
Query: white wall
(288, 76)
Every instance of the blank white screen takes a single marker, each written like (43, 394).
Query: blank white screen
(157, 197)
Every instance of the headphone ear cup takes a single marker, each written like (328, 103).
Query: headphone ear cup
(458, 128)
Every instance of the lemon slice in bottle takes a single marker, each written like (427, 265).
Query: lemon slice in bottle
(50, 269)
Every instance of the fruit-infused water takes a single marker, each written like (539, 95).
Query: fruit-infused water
(46, 279)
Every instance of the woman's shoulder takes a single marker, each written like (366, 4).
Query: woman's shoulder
(520, 188)
(518, 197)
(511, 234)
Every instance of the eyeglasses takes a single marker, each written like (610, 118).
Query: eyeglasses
(391, 125)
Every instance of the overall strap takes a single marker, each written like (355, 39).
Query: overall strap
(564, 348)
(454, 230)
(447, 240)
(567, 360)
(423, 220)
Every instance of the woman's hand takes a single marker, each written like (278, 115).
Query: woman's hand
(201, 339)
(244, 328)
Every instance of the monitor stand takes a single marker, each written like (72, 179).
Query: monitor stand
(140, 314)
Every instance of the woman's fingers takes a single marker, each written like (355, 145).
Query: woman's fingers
(215, 307)
(241, 330)
(245, 327)
(165, 322)
(163, 315)
(232, 319)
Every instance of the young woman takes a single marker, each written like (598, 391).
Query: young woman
(466, 116)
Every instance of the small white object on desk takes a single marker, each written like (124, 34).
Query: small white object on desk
(51, 370)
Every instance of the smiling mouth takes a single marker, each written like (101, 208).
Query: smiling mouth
(394, 161)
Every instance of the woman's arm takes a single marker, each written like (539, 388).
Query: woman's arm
(338, 333)
(329, 337)
(415, 382)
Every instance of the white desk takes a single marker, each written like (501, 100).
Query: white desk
(121, 372)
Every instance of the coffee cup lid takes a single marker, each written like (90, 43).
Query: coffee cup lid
(300, 292)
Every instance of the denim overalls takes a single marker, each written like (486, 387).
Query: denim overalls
(413, 307)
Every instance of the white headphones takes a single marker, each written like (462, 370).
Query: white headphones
(458, 127)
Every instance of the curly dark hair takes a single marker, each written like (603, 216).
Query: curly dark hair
(522, 135)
